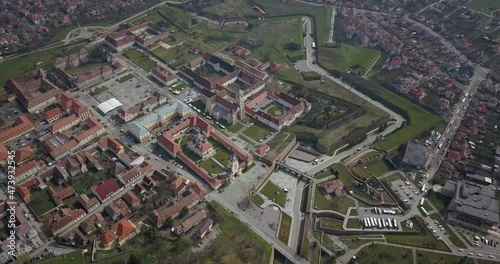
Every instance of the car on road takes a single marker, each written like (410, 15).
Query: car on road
(460, 250)
(479, 254)
(491, 257)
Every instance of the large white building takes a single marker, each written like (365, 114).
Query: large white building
(140, 128)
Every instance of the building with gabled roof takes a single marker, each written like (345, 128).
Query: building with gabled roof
(109, 143)
(105, 189)
(164, 76)
(121, 233)
(21, 126)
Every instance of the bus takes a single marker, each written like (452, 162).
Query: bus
(423, 211)
(422, 201)
(390, 223)
(379, 223)
(365, 222)
(314, 44)
(395, 223)
(423, 189)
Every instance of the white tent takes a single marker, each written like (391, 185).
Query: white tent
(109, 105)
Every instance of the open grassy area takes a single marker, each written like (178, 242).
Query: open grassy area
(486, 6)
(353, 223)
(210, 166)
(331, 223)
(382, 254)
(394, 177)
(178, 87)
(425, 239)
(235, 128)
(258, 199)
(345, 57)
(274, 193)
(420, 119)
(370, 155)
(379, 168)
(71, 258)
(286, 225)
(41, 202)
(361, 172)
(257, 131)
(338, 204)
(140, 59)
(236, 243)
(452, 236)
(431, 257)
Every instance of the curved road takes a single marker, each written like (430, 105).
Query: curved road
(308, 41)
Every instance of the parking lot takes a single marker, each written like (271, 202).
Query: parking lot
(128, 92)
(407, 192)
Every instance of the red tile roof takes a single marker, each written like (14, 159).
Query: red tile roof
(23, 154)
(21, 125)
(105, 189)
(52, 113)
(124, 229)
(4, 152)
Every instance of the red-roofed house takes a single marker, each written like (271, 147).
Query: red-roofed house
(27, 170)
(164, 76)
(53, 114)
(241, 52)
(106, 189)
(23, 154)
(417, 94)
(262, 150)
(395, 63)
(131, 199)
(275, 67)
(121, 232)
(111, 144)
(455, 155)
(21, 126)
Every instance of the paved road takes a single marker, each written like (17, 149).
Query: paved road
(308, 40)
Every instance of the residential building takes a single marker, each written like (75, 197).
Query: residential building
(334, 187)
(143, 107)
(105, 190)
(121, 233)
(164, 76)
(418, 155)
(190, 222)
(21, 126)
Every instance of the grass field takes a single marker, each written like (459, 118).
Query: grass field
(210, 166)
(41, 202)
(425, 239)
(487, 6)
(431, 257)
(338, 204)
(235, 128)
(257, 131)
(178, 87)
(379, 168)
(420, 119)
(140, 59)
(274, 193)
(353, 223)
(71, 258)
(258, 199)
(346, 56)
(331, 223)
(382, 254)
(394, 177)
(286, 225)
(235, 242)
(370, 155)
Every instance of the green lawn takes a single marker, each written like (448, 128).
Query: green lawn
(210, 166)
(370, 155)
(452, 236)
(382, 254)
(71, 258)
(286, 225)
(361, 172)
(488, 5)
(257, 131)
(274, 111)
(394, 177)
(236, 243)
(353, 223)
(331, 223)
(125, 78)
(425, 239)
(140, 59)
(235, 128)
(420, 119)
(379, 168)
(41, 202)
(431, 258)
(274, 193)
(258, 199)
(354, 212)
(346, 56)
(178, 87)
(338, 204)
(222, 155)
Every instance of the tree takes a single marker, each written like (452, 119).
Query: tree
(292, 46)
(183, 212)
